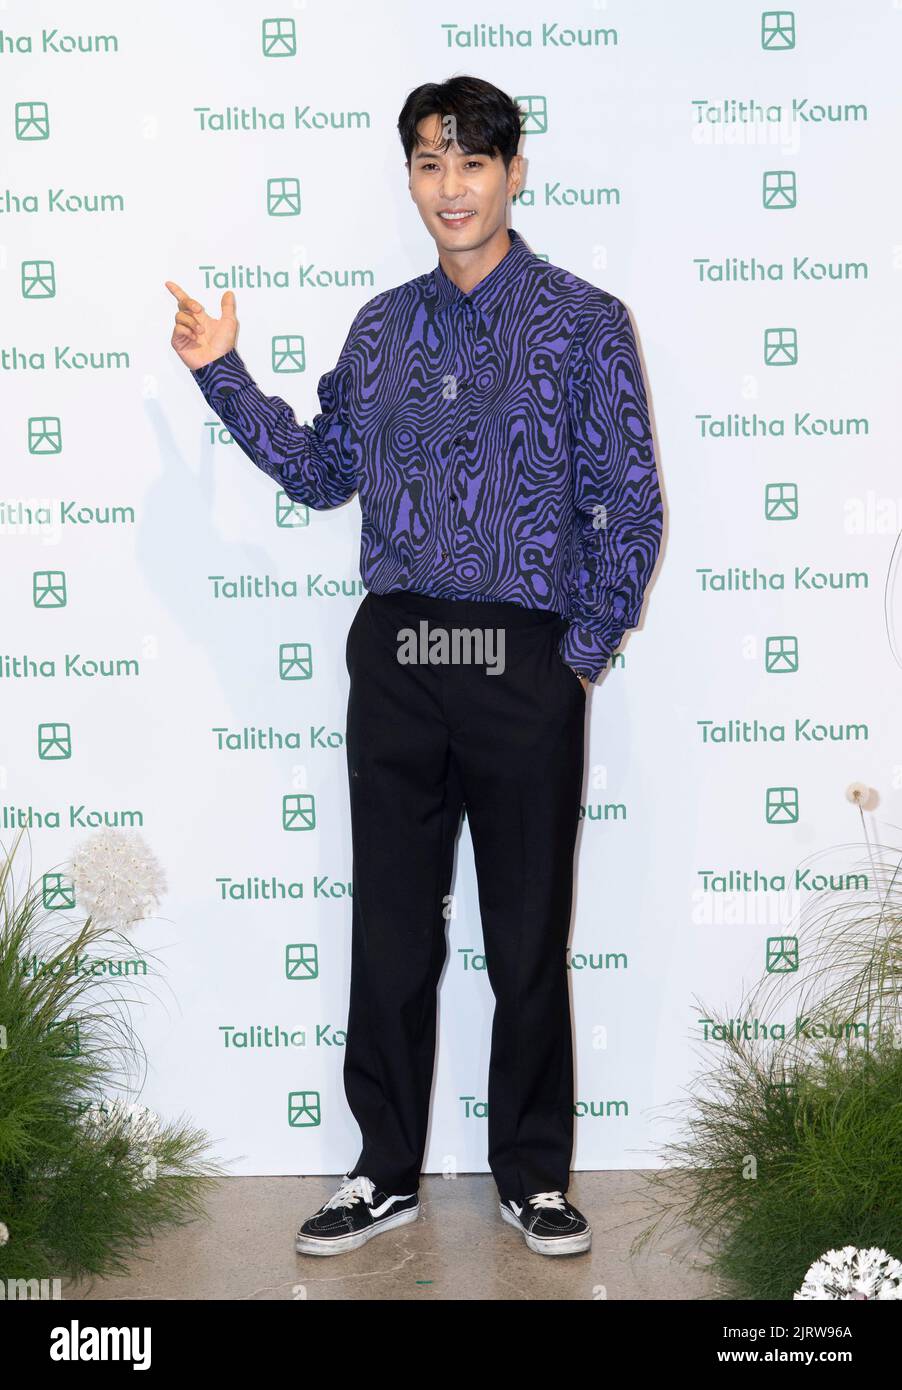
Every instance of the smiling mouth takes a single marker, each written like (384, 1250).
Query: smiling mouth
(452, 217)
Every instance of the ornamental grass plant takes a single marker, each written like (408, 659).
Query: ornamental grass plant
(86, 1174)
(791, 1142)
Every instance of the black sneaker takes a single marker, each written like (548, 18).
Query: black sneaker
(357, 1211)
(550, 1225)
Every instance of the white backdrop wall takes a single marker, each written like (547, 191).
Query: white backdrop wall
(732, 179)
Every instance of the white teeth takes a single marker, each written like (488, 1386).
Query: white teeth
(456, 216)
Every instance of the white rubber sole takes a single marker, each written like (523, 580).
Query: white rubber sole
(553, 1245)
(323, 1245)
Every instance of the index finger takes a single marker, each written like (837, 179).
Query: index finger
(184, 299)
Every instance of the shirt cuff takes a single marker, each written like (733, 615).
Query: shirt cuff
(222, 377)
(586, 650)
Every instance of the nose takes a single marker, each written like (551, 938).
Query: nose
(452, 187)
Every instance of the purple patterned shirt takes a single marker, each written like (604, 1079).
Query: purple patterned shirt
(498, 441)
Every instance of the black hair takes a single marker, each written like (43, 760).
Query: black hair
(488, 121)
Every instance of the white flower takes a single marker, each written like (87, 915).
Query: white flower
(858, 792)
(4, 1234)
(139, 1125)
(117, 877)
(850, 1273)
(136, 1125)
(149, 1171)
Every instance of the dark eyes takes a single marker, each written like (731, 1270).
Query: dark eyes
(432, 165)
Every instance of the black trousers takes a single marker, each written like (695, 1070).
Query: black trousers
(423, 741)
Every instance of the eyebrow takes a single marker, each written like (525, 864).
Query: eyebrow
(474, 154)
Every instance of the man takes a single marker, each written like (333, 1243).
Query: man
(491, 416)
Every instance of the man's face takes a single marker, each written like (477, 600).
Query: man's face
(449, 181)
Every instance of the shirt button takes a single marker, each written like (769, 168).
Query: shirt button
(444, 554)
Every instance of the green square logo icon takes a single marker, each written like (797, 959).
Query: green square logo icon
(781, 806)
(49, 588)
(781, 501)
(291, 512)
(303, 1109)
(295, 661)
(782, 955)
(279, 38)
(54, 742)
(38, 280)
(32, 120)
(781, 347)
(778, 30)
(45, 434)
(298, 811)
(301, 961)
(288, 353)
(779, 189)
(69, 1036)
(283, 197)
(533, 114)
(56, 893)
(781, 656)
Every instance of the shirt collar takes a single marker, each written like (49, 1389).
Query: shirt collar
(491, 287)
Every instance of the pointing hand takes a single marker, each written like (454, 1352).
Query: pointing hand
(197, 338)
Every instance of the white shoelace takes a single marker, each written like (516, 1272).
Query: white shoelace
(351, 1191)
(548, 1199)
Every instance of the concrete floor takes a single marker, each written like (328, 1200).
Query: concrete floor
(458, 1249)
